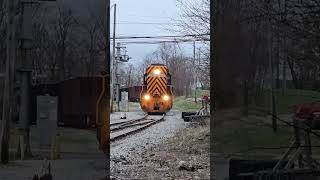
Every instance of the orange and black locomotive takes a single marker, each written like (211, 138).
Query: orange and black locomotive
(157, 92)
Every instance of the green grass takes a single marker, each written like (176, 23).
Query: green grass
(249, 140)
(234, 134)
(285, 103)
(183, 104)
(200, 93)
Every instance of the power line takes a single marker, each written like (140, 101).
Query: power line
(159, 42)
(156, 17)
(152, 23)
(164, 36)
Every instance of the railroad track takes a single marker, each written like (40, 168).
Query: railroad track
(120, 130)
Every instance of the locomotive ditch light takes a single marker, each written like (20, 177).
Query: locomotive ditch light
(166, 97)
(156, 72)
(146, 97)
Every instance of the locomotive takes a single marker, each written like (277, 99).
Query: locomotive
(156, 96)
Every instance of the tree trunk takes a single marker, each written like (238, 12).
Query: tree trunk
(61, 60)
(302, 76)
(245, 110)
(315, 78)
(293, 73)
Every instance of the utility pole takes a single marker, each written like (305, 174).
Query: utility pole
(107, 50)
(25, 72)
(118, 55)
(214, 56)
(25, 37)
(118, 59)
(271, 65)
(113, 74)
(194, 59)
(284, 66)
(8, 83)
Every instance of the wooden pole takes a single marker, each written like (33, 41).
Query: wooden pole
(284, 66)
(8, 99)
(114, 62)
(6, 108)
(22, 146)
(271, 64)
(195, 62)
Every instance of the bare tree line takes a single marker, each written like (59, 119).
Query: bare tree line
(66, 45)
(195, 19)
(249, 32)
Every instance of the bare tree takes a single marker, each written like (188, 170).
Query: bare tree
(2, 48)
(241, 41)
(179, 65)
(2, 35)
(63, 26)
(195, 20)
(195, 17)
(92, 42)
(44, 53)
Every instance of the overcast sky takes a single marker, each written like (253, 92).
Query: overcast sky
(134, 18)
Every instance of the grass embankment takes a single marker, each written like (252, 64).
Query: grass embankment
(200, 93)
(182, 103)
(186, 104)
(234, 134)
(292, 97)
(251, 135)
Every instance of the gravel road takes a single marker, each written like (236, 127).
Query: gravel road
(149, 138)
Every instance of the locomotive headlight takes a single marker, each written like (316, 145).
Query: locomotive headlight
(156, 72)
(146, 97)
(166, 97)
